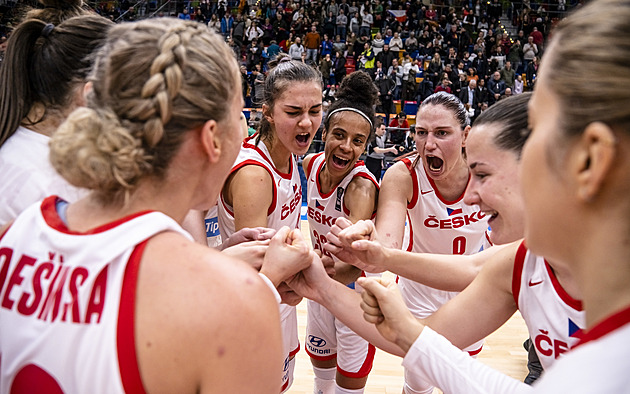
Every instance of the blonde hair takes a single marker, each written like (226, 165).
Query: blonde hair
(153, 81)
(590, 70)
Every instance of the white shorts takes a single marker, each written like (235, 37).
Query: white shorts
(290, 340)
(328, 338)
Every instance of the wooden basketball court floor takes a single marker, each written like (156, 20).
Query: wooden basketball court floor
(502, 350)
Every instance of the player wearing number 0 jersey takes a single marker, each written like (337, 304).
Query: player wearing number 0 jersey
(554, 319)
(73, 291)
(438, 226)
(327, 337)
(284, 211)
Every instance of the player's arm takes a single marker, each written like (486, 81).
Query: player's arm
(250, 193)
(483, 306)
(396, 191)
(218, 330)
(440, 271)
(360, 199)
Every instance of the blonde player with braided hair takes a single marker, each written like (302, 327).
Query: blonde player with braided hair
(114, 296)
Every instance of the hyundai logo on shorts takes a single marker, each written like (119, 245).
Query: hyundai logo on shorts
(316, 341)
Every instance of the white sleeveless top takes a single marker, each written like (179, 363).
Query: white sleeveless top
(438, 226)
(287, 189)
(554, 319)
(67, 315)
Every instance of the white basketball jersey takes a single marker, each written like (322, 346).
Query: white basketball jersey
(438, 226)
(68, 298)
(283, 211)
(287, 189)
(325, 208)
(554, 319)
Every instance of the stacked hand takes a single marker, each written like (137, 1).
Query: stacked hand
(384, 307)
(356, 244)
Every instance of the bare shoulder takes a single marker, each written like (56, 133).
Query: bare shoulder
(397, 177)
(194, 310)
(500, 267)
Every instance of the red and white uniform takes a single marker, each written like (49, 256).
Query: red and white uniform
(283, 211)
(327, 337)
(437, 226)
(554, 319)
(599, 363)
(67, 310)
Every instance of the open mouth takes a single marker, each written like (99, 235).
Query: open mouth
(492, 214)
(435, 164)
(303, 139)
(339, 162)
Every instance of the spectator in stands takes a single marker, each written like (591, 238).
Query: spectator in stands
(378, 43)
(444, 86)
(385, 86)
(469, 97)
(508, 74)
(312, 42)
(518, 84)
(342, 22)
(253, 32)
(325, 67)
(531, 71)
(530, 50)
(396, 44)
(339, 67)
(386, 56)
(296, 49)
(366, 23)
(496, 88)
(395, 72)
(400, 126)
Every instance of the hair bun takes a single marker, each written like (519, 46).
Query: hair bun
(358, 86)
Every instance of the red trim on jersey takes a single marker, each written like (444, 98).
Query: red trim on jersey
(437, 192)
(517, 273)
(570, 301)
(605, 327)
(294, 351)
(309, 168)
(365, 368)
(51, 217)
(251, 162)
(473, 353)
(125, 341)
(246, 144)
(488, 238)
(319, 186)
(414, 183)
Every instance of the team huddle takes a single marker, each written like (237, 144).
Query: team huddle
(119, 143)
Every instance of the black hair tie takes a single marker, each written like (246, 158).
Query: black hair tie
(47, 29)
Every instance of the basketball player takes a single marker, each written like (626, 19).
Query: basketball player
(340, 186)
(576, 158)
(264, 187)
(114, 296)
(428, 191)
(511, 279)
(41, 81)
